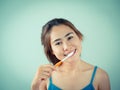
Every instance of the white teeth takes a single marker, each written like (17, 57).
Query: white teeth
(69, 53)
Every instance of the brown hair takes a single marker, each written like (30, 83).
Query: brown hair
(45, 36)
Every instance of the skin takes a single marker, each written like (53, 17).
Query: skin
(41, 76)
(63, 41)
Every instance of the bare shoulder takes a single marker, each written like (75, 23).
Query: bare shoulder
(102, 74)
(102, 79)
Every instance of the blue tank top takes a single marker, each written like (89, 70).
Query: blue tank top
(88, 87)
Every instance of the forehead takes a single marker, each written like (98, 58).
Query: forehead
(60, 31)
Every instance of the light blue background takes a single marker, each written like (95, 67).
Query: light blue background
(21, 52)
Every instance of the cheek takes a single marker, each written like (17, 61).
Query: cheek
(79, 45)
(56, 52)
(58, 56)
(80, 48)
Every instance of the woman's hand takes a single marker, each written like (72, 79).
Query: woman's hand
(40, 80)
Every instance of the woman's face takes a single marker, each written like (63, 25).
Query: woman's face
(63, 41)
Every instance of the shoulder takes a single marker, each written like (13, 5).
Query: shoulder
(102, 79)
(102, 74)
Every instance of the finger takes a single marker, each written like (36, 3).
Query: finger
(47, 69)
(50, 66)
(43, 78)
(44, 72)
(43, 75)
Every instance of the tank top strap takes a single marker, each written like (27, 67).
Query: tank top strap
(93, 74)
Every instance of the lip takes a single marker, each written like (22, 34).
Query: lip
(70, 52)
(74, 52)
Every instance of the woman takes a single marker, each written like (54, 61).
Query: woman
(60, 38)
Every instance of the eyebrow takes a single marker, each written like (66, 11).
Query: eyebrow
(64, 36)
(68, 34)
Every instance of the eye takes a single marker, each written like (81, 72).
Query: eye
(70, 37)
(58, 43)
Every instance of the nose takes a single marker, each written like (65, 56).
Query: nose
(66, 46)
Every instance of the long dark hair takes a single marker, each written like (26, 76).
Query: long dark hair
(45, 36)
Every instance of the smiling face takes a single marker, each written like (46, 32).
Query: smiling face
(64, 40)
(67, 36)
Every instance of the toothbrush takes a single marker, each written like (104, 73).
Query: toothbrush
(60, 62)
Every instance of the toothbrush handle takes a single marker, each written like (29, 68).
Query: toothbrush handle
(58, 64)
